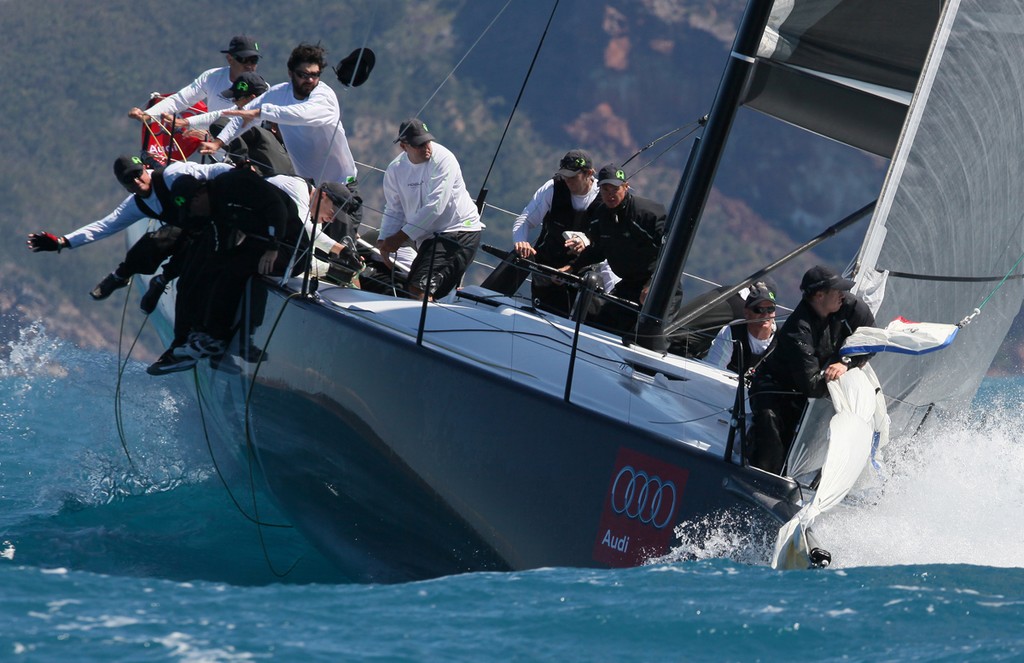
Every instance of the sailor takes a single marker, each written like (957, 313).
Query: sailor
(805, 359)
(242, 55)
(257, 147)
(242, 218)
(626, 230)
(332, 258)
(426, 203)
(150, 198)
(558, 207)
(739, 347)
(307, 113)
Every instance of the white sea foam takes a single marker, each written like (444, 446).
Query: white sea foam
(955, 496)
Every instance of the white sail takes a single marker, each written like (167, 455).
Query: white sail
(950, 221)
(948, 229)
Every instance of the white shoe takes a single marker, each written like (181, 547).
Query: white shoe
(200, 345)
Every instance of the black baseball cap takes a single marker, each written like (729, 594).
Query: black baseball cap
(611, 174)
(127, 168)
(760, 292)
(820, 277)
(339, 194)
(414, 132)
(248, 82)
(242, 46)
(182, 192)
(573, 162)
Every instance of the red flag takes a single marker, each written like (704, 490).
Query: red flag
(158, 144)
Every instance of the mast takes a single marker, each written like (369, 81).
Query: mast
(692, 195)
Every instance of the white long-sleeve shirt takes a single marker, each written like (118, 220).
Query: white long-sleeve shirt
(425, 198)
(722, 347)
(311, 129)
(206, 88)
(533, 214)
(298, 191)
(128, 212)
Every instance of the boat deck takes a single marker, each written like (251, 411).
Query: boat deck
(680, 399)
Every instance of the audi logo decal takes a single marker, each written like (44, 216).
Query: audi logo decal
(639, 496)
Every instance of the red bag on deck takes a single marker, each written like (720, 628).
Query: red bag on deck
(157, 143)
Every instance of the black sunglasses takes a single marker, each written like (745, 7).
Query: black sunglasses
(307, 75)
(252, 59)
(761, 310)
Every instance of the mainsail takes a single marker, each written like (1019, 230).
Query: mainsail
(948, 227)
(936, 87)
(845, 69)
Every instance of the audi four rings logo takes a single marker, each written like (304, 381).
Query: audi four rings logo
(639, 496)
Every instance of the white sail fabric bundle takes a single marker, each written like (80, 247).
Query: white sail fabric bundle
(902, 336)
(860, 423)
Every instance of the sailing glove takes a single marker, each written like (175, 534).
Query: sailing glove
(47, 242)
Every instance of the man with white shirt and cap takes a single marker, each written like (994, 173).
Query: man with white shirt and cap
(242, 55)
(426, 204)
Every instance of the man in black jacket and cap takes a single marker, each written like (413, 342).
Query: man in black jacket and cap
(626, 230)
(805, 359)
(241, 218)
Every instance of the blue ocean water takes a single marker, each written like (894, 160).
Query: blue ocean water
(102, 558)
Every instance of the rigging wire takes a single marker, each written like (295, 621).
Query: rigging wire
(251, 447)
(515, 106)
(459, 63)
(663, 152)
(695, 125)
(200, 400)
(977, 311)
(118, 419)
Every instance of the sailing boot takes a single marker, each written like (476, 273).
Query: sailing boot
(108, 285)
(157, 286)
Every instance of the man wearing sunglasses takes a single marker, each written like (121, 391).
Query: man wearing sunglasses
(308, 115)
(740, 346)
(805, 359)
(149, 197)
(242, 55)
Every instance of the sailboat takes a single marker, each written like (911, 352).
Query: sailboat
(410, 440)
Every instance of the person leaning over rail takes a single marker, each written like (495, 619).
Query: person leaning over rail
(426, 203)
(805, 359)
(739, 347)
(242, 55)
(627, 231)
(241, 218)
(558, 207)
(332, 259)
(150, 198)
(308, 115)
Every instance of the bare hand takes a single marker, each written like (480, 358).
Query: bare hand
(210, 146)
(835, 371)
(391, 244)
(138, 114)
(180, 124)
(574, 246)
(267, 261)
(524, 250)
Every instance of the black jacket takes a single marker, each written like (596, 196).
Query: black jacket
(561, 217)
(242, 201)
(169, 214)
(629, 237)
(807, 344)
